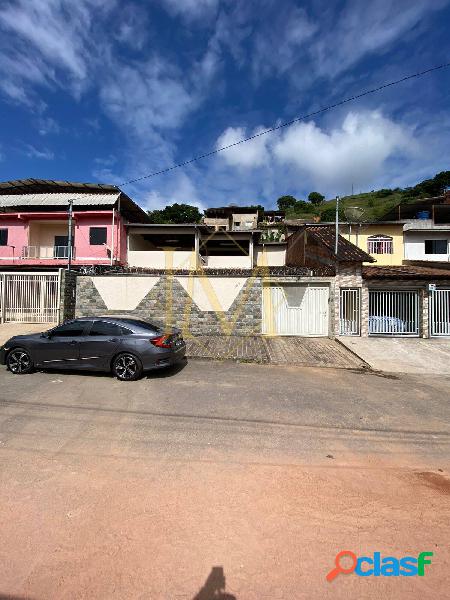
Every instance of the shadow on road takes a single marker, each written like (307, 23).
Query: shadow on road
(8, 597)
(214, 587)
(161, 373)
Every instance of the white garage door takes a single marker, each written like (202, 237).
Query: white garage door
(294, 309)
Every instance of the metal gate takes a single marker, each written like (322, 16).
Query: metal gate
(350, 311)
(295, 309)
(440, 313)
(29, 297)
(394, 312)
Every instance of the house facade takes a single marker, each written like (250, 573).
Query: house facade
(381, 241)
(34, 224)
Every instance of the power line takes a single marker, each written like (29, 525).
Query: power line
(287, 123)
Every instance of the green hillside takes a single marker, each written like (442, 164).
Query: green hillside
(374, 204)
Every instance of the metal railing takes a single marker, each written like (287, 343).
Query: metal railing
(29, 298)
(350, 311)
(440, 313)
(46, 252)
(394, 312)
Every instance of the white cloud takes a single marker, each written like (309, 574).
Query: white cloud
(180, 188)
(132, 28)
(191, 9)
(353, 152)
(278, 47)
(52, 44)
(247, 155)
(367, 28)
(144, 97)
(47, 126)
(43, 153)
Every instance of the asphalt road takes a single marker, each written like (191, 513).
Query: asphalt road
(141, 490)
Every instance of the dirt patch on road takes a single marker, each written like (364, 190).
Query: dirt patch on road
(435, 481)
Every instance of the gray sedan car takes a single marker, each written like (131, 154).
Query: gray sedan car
(125, 347)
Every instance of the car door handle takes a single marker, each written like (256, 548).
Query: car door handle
(73, 342)
(112, 340)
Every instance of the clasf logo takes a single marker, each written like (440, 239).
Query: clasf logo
(376, 565)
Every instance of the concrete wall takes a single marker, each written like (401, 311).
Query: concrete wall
(162, 259)
(228, 262)
(270, 255)
(415, 245)
(17, 238)
(43, 235)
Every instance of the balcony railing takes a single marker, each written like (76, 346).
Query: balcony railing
(46, 252)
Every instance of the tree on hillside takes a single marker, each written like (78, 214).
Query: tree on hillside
(316, 198)
(329, 214)
(176, 214)
(286, 202)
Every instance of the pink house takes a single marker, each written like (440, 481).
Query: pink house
(34, 223)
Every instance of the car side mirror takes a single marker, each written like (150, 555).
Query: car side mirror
(45, 335)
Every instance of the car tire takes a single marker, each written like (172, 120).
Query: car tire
(127, 367)
(19, 361)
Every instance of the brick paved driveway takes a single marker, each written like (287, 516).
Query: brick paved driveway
(311, 352)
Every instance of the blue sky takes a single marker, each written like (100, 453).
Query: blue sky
(110, 91)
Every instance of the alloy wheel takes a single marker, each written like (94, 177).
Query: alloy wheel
(19, 361)
(126, 366)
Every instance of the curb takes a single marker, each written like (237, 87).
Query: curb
(366, 365)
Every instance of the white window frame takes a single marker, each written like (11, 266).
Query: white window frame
(380, 244)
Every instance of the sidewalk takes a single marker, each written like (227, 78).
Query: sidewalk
(403, 355)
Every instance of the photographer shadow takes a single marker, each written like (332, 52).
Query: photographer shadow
(214, 587)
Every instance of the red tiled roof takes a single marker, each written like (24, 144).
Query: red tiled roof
(405, 272)
(347, 252)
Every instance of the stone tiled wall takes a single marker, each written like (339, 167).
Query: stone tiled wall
(168, 303)
(349, 276)
(67, 295)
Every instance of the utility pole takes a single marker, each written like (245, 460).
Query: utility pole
(337, 226)
(69, 236)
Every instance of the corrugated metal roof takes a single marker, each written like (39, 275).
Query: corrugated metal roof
(58, 199)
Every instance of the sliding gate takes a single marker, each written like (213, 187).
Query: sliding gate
(29, 297)
(440, 313)
(394, 312)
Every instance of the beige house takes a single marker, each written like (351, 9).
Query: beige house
(383, 241)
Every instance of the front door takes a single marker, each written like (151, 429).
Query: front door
(60, 249)
(62, 346)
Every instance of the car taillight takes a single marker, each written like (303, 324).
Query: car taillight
(163, 341)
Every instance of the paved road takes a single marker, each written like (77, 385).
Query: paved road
(140, 490)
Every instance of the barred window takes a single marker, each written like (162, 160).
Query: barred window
(380, 244)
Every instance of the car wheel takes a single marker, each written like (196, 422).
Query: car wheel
(127, 367)
(19, 361)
